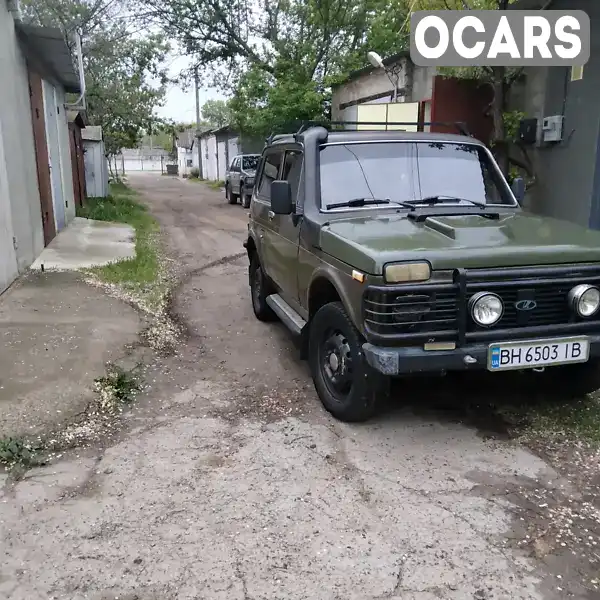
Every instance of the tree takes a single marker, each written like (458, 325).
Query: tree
(216, 112)
(279, 57)
(499, 78)
(124, 71)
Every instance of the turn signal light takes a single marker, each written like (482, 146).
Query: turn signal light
(407, 272)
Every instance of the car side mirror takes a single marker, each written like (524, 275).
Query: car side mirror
(281, 197)
(518, 188)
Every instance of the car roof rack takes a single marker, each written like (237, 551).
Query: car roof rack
(460, 126)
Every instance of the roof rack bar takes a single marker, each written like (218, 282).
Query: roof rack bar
(460, 126)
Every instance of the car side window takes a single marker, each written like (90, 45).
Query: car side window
(292, 167)
(270, 171)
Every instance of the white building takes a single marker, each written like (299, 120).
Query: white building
(36, 179)
(187, 152)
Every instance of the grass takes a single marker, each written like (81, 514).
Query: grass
(216, 185)
(122, 206)
(553, 419)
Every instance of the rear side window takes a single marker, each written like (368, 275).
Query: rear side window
(270, 171)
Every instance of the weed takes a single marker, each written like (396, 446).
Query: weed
(17, 452)
(116, 388)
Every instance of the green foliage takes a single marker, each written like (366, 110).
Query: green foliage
(124, 70)
(121, 206)
(279, 59)
(511, 123)
(195, 173)
(17, 452)
(216, 112)
(117, 387)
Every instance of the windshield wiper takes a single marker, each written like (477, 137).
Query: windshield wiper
(443, 199)
(366, 202)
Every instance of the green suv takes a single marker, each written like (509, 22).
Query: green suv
(390, 253)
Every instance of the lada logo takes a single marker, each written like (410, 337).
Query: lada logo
(525, 304)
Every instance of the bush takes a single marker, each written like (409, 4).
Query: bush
(195, 173)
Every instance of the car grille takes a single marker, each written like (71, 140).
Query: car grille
(391, 312)
(551, 307)
(436, 312)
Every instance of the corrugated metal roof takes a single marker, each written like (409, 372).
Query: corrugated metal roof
(49, 55)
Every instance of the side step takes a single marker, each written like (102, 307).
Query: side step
(291, 319)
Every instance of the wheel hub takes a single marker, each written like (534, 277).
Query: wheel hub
(337, 363)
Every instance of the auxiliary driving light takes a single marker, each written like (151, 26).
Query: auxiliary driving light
(585, 300)
(486, 308)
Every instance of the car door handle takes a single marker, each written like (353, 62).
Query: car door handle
(271, 215)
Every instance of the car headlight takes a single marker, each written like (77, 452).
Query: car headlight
(407, 272)
(585, 300)
(486, 308)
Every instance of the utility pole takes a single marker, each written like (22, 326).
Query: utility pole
(198, 144)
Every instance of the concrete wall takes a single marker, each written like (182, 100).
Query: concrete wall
(21, 193)
(567, 176)
(8, 260)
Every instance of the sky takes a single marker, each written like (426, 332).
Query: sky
(180, 104)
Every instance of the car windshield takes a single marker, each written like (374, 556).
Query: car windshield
(249, 163)
(430, 171)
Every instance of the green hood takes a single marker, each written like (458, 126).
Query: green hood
(468, 241)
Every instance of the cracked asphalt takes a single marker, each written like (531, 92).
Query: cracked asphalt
(229, 481)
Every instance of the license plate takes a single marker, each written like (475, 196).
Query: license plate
(537, 353)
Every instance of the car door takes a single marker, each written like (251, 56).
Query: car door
(285, 232)
(261, 209)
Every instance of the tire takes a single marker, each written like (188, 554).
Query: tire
(259, 290)
(246, 201)
(231, 197)
(342, 386)
(569, 382)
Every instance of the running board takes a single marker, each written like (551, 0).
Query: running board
(291, 319)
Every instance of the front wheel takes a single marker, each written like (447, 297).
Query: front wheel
(245, 201)
(338, 367)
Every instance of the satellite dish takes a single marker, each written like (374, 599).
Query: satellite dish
(375, 60)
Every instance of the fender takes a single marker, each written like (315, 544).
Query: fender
(346, 288)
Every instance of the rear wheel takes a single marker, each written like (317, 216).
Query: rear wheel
(259, 290)
(338, 367)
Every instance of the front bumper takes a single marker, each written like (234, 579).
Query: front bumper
(394, 361)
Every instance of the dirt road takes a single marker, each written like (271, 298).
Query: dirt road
(230, 481)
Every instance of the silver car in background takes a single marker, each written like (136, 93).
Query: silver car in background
(239, 180)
